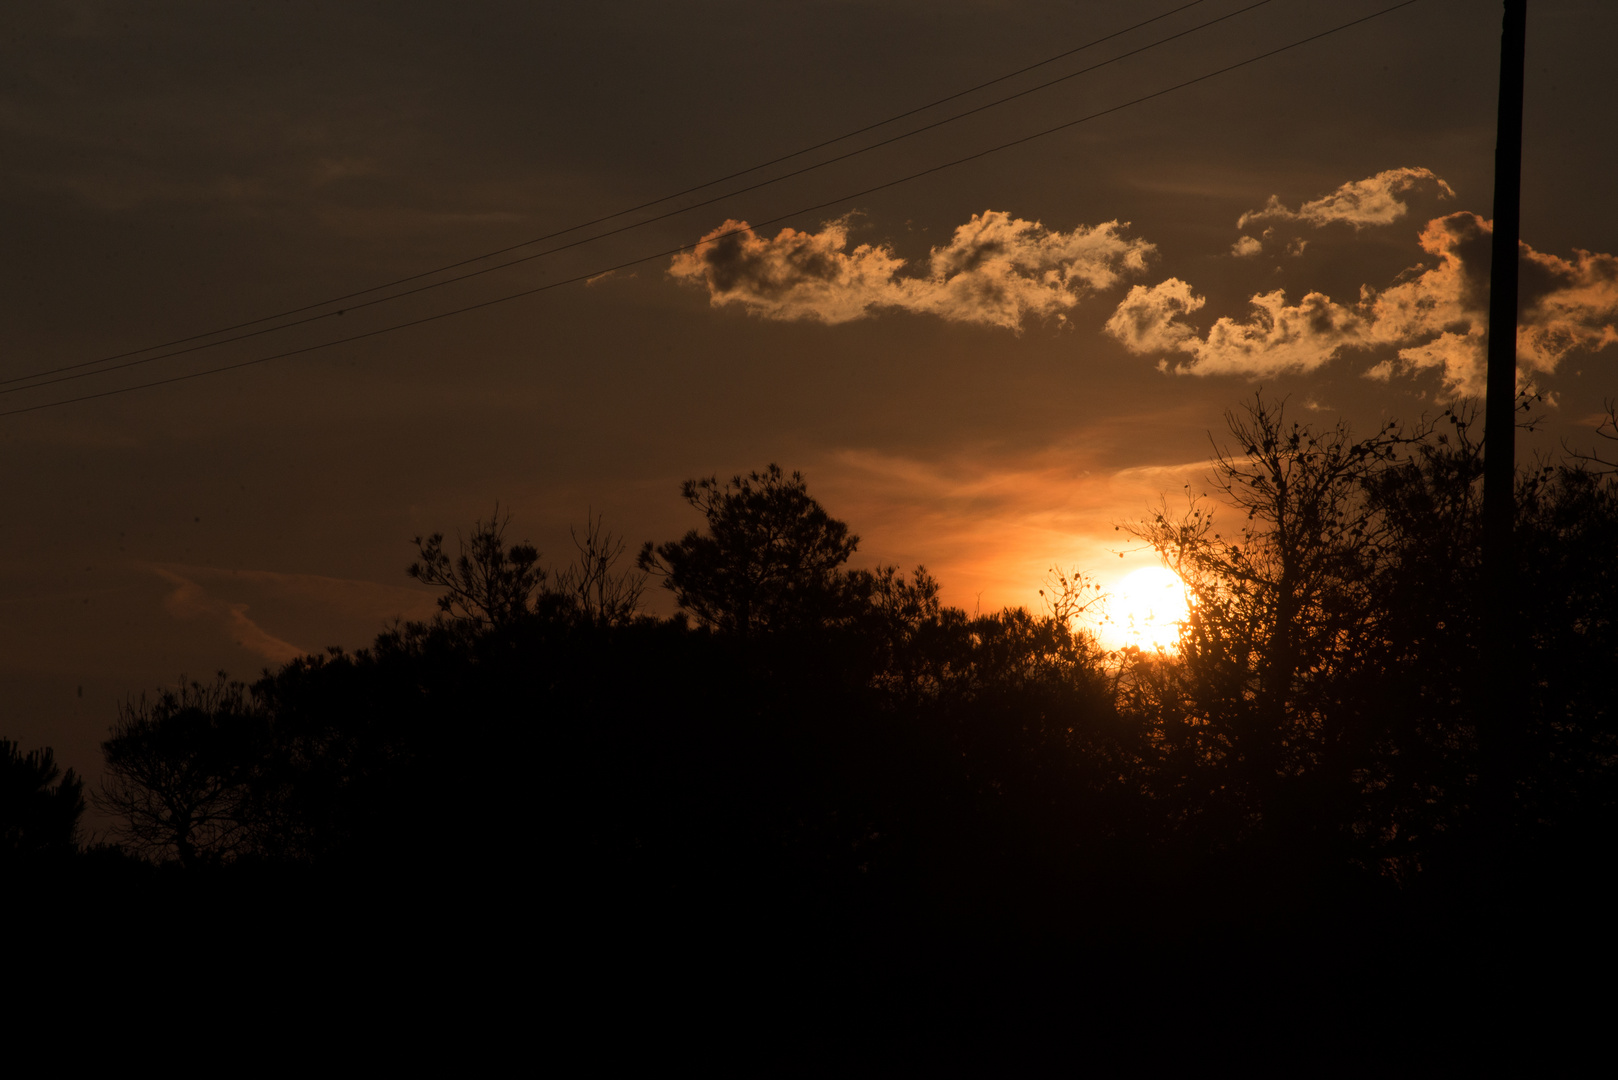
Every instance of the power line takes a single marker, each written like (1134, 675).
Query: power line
(600, 220)
(689, 247)
(142, 360)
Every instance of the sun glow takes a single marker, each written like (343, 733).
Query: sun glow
(1146, 610)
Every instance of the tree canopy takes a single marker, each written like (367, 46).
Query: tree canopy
(769, 561)
(40, 806)
(814, 741)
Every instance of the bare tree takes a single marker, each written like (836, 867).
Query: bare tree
(1068, 594)
(606, 595)
(1595, 460)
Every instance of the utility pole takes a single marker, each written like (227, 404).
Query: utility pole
(1500, 715)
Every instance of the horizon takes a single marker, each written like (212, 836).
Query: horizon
(985, 371)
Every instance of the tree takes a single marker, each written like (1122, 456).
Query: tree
(604, 595)
(40, 806)
(1607, 429)
(179, 772)
(1064, 595)
(1565, 743)
(1288, 629)
(488, 584)
(770, 559)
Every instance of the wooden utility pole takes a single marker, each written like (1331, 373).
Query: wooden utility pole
(1501, 712)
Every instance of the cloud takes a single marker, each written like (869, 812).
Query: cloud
(1372, 201)
(1278, 337)
(1564, 305)
(1148, 318)
(1570, 305)
(1434, 316)
(996, 270)
(1249, 246)
(797, 275)
(191, 601)
(1437, 316)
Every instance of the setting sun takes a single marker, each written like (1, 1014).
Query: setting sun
(1146, 610)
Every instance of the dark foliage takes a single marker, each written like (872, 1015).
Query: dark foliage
(40, 806)
(769, 560)
(180, 770)
(822, 758)
(488, 583)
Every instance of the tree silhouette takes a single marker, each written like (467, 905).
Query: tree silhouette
(769, 560)
(1288, 626)
(1567, 605)
(487, 584)
(40, 806)
(605, 595)
(179, 769)
(1595, 460)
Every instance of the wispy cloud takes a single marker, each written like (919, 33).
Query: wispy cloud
(190, 601)
(991, 525)
(1372, 201)
(308, 603)
(996, 270)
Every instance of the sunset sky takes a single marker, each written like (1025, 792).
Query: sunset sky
(984, 369)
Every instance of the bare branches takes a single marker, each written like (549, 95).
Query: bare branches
(605, 595)
(1527, 398)
(1064, 594)
(1607, 430)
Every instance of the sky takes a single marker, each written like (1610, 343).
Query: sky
(987, 369)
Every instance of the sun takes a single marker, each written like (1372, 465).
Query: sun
(1146, 610)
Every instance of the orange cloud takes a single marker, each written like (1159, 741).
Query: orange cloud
(1148, 320)
(996, 270)
(1277, 337)
(1372, 201)
(1435, 317)
(797, 275)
